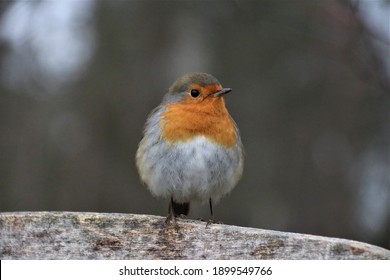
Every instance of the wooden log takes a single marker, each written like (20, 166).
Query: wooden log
(71, 235)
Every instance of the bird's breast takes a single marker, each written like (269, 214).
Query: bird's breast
(183, 122)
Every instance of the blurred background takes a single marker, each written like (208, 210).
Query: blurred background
(311, 97)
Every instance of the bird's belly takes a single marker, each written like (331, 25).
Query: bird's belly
(196, 169)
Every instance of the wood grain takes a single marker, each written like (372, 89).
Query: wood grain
(72, 235)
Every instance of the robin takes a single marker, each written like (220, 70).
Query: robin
(191, 149)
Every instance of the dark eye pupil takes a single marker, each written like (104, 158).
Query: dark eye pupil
(195, 93)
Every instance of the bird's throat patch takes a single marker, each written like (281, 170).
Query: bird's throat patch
(182, 122)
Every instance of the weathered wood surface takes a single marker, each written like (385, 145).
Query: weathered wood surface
(70, 235)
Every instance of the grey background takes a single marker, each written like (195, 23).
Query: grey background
(310, 95)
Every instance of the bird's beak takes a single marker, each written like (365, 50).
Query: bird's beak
(222, 92)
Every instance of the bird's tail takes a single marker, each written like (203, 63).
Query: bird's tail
(180, 208)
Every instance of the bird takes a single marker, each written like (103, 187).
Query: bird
(191, 149)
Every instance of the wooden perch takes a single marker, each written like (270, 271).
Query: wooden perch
(69, 235)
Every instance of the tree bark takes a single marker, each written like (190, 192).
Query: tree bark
(70, 235)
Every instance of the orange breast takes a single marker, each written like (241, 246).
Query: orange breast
(183, 121)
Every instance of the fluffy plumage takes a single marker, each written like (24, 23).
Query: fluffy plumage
(191, 149)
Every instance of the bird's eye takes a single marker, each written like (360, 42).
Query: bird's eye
(195, 93)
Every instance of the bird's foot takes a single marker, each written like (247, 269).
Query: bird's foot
(212, 221)
(170, 219)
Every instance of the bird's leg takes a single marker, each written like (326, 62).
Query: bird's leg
(211, 220)
(211, 209)
(171, 215)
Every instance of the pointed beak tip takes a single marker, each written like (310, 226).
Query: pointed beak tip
(222, 92)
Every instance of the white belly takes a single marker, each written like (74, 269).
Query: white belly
(192, 170)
